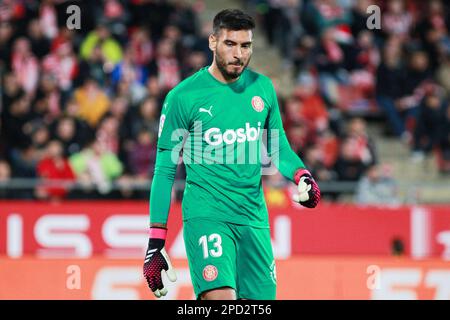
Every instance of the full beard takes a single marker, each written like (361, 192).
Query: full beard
(222, 66)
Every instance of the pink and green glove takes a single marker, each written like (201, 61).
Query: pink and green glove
(308, 192)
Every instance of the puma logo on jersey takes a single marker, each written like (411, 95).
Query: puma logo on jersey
(208, 111)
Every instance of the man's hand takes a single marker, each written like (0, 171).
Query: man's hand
(308, 194)
(157, 260)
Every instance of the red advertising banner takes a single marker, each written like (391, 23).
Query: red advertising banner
(307, 277)
(119, 229)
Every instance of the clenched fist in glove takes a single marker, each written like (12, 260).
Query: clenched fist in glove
(157, 260)
(308, 192)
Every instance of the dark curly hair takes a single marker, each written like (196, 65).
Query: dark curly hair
(232, 19)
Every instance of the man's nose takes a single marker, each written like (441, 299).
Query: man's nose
(237, 52)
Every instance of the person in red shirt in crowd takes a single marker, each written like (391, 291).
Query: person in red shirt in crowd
(54, 166)
(312, 108)
(142, 46)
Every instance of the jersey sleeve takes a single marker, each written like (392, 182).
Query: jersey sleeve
(174, 123)
(161, 188)
(173, 129)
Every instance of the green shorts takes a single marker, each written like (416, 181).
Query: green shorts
(222, 254)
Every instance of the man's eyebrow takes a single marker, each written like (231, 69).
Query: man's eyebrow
(234, 42)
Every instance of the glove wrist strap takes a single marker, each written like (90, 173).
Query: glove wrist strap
(158, 233)
(299, 173)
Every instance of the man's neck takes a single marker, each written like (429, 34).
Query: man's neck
(215, 72)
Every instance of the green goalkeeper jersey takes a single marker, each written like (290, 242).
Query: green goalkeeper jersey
(220, 128)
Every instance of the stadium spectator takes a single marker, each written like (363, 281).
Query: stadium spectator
(314, 159)
(312, 109)
(365, 147)
(71, 136)
(362, 61)
(297, 135)
(121, 110)
(11, 94)
(165, 68)
(357, 152)
(330, 63)
(54, 166)
(40, 136)
(24, 161)
(146, 117)
(96, 166)
(62, 65)
(142, 156)
(15, 116)
(303, 54)
(108, 134)
(328, 14)
(117, 16)
(142, 46)
(48, 19)
(25, 65)
(390, 76)
(328, 144)
(359, 16)
(47, 104)
(433, 30)
(111, 49)
(429, 129)
(92, 102)
(396, 20)
(349, 166)
(377, 187)
(93, 67)
(129, 71)
(40, 45)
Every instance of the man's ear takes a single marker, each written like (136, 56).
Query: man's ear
(212, 42)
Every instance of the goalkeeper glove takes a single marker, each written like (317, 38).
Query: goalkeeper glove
(308, 194)
(157, 260)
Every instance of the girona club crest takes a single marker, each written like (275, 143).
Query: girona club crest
(210, 273)
(258, 103)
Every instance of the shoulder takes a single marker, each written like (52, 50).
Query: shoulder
(184, 95)
(259, 77)
(186, 88)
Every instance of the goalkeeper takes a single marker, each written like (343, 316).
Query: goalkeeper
(218, 117)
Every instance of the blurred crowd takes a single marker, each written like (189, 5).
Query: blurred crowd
(83, 105)
(348, 71)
